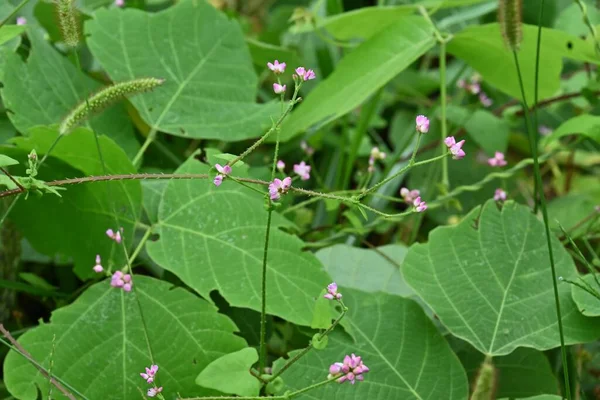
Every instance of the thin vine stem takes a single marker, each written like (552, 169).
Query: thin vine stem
(542, 198)
(443, 105)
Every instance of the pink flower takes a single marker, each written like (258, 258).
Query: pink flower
(485, 100)
(154, 391)
(332, 292)
(116, 236)
(98, 267)
(150, 373)
(455, 147)
(21, 20)
(279, 187)
(422, 124)
(499, 195)
(119, 3)
(305, 75)
(278, 89)
(280, 165)
(302, 169)
(352, 370)
(419, 204)
(544, 130)
(117, 279)
(498, 160)
(474, 88)
(276, 67)
(223, 171)
(409, 195)
(306, 148)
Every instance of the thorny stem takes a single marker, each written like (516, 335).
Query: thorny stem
(310, 345)
(542, 198)
(12, 178)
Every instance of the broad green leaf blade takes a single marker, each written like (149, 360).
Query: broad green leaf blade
(502, 268)
(540, 397)
(366, 270)
(231, 373)
(6, 161)
(587, 303)
(524, 372)
(361, 73)
(220, 233)
(74, 225)
(210, 84)
(482, 47)
(407, 356)
(489, 131)
(262, 53)
(100, 343)
(585, 125)
(8, 32)
(45, 88)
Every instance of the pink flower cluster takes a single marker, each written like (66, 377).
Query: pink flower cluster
(303, 170)
(149, 377)
(98, 267)
(498, 160)
(223, 172)
(351, 370)
(279, 187)
(121, 280)
(116, 236)
(332, 292)
(455, 147)
(409, 195)
(304, 74)
(422, 124)
(276, 67)
(499, 195)
(419, 204)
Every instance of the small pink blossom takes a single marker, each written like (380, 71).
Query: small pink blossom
(218, 180)
(116, 236)
(409, 195)
(21, 20)
(303, 170)
(419, 204)
(498, 160)
(306, 148)
(98, 267)
(499, 195)
(150, 373)
(121, 280)
(154, 391)
(332, 292)
(279, 187)
(449, 141)
(280, 165)
(276, 67)
(455, 147)
(422, 124)
(544, 130)
(278, 89)
(474, 88)
(485, 100)
(119, 3)
(305, 75)
(351, 370)
(223, 172)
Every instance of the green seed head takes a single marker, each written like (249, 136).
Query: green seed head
(104, 98)
(68, 19)
(510, 18)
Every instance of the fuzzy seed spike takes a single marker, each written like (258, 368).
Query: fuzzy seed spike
(510, 18)
(68, 19)
(104, 98)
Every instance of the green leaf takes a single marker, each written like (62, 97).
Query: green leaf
(483, 49)
(6, 161)
(585, 125)
(587, 303)
(153, 191)
(8, 32)
(220, 231)
(210, 84)
(366, 270)
(406, 355)
(322, 312)
(44, 89)
(361, 73)
(524, 372)
(540, 397)
(231, 374)
(489, 131)
(101, 342)
(262, 53)
(497, 260)
(75, 225)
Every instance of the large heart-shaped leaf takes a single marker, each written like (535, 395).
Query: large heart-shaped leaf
(210, 84)
(100, 344)
(407, 356)
(488, 280)
(361, 73)
(212, 238)
(73, 225)
(42, 91)
(369, 270)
